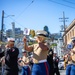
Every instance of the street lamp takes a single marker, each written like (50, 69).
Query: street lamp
(2, 25)
(9, 16)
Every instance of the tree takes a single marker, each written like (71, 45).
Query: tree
(47, 30)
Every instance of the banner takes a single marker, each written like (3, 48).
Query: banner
(26, 31)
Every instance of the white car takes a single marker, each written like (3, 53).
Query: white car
(61, 64)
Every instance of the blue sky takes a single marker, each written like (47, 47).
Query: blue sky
(35, 14)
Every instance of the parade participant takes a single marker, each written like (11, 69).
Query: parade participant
(69, 64)
(11, 57)
(50, 61)
(24, 62)
(40, 51)
(73, 57)
(65, 57)
(55, 62)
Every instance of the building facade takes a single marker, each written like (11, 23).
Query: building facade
(58, 43)
(69, 33)
(18, 33)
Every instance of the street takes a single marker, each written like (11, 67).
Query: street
(62, 72)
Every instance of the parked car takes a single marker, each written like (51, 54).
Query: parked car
(61, 64)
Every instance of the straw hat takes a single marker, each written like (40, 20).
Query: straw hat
(41, 33)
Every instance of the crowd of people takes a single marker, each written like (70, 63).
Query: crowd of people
(44, 60)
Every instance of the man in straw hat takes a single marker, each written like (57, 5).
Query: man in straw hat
(40, 51)
(11, 57)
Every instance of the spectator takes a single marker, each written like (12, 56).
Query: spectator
(11, 57)
(56, 61)
(50, 61)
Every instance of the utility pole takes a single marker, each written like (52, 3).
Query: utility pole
(2, 25)
(64, 19)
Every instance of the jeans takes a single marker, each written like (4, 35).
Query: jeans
(26, 70)
(72, 70)
(68, 69)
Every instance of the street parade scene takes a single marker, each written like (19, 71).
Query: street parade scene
(36, 37)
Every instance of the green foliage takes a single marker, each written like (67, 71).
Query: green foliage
(47, 30)
(53, 44)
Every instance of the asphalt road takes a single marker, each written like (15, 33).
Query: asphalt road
(62, 72)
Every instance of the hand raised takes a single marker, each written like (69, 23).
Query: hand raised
(24, 39)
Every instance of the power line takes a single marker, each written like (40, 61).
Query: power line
(69, 2)
(15, 21)
(62, 4)
(24, 9)
(20, 15)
